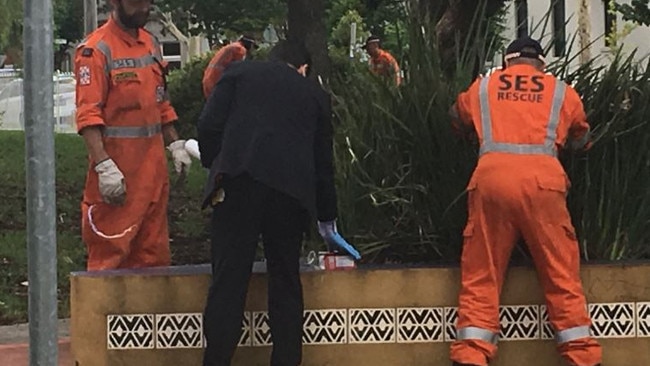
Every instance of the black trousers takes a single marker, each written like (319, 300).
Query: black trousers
(251, 209)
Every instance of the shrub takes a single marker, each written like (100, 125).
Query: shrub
(186, 90)
(610, 200)
(402, 175)
(186, 94)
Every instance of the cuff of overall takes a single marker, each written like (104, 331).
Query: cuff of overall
(168, 117)
(94, 122)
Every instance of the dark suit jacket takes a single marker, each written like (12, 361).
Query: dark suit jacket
(266, 120)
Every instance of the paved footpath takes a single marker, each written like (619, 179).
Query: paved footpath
(14, 344)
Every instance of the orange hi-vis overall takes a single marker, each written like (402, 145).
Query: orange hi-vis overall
(385, 65)
(522, 117)
(121, 88)
(224, 57)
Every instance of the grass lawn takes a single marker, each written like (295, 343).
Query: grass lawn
(188, 225)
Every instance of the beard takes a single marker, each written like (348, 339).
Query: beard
(134, 21)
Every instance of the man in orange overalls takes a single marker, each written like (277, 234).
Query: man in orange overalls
(236, 51)
(382, 63)
(123, 111)
(522, 117)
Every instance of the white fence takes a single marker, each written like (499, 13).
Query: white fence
(12, 102)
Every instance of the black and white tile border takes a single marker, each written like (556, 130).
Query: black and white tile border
(370, 326)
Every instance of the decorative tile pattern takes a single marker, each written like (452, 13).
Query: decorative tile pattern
(451, 316)
(546, 329)
(643, 319)
(368, 326)
(371, 325)
(261, 329)
(134, 331)
(245, 340)
(179, 331)
(417, 325)
(519, 322)
(325, 327)
(613, 320)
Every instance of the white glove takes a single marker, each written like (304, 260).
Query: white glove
(192, 147)
(111, 182)
(182, 160)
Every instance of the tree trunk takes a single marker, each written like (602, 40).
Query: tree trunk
(183, 40)
(455, 20)
(584, 31)
(306, 24)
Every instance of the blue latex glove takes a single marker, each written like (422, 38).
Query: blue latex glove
(334, 240)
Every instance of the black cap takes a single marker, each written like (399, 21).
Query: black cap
(533, 49)
(248, 41)
(371, 39)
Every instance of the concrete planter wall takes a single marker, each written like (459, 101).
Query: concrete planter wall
(400, 317)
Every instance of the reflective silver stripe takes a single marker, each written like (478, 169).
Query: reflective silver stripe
(133, 63)
(548, 148)
(120, 63)
(132, 132)
(486, 119)
(157, 47)
(554, 117)
(519, 149)
(217, 66)
(572, 334)
(579, 144)
(477, 333)
(106, 51)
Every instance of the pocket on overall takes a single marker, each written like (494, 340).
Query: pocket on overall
(554, 182)
(127, 88)
(471, 197)
(549, 201)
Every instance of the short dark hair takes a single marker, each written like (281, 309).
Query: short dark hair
(248, 41)
(291, 52)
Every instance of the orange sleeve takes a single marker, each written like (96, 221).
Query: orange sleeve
(91, 88)
(238, 54)
(395, 66)
(224, 57)
(167, 112)
(579, 137)
(464, 106)
(212, 72)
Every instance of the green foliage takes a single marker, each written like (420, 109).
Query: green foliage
(188, 229)
(340, 36)
(68, 20)
(384, 18)
(10, 17)
(637, 11)
(402, 174)
(340, 43)
(186, 93)
(610, 201)
(337, 9)
(215, 18)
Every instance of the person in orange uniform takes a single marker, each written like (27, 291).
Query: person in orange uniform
(236, 51)
(123, 112)
(522, 117)
(382, 63)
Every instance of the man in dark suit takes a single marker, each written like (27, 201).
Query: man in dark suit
(266, 135)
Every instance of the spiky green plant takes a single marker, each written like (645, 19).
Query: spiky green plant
(402, 174)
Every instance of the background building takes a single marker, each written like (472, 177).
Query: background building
(557, 23)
